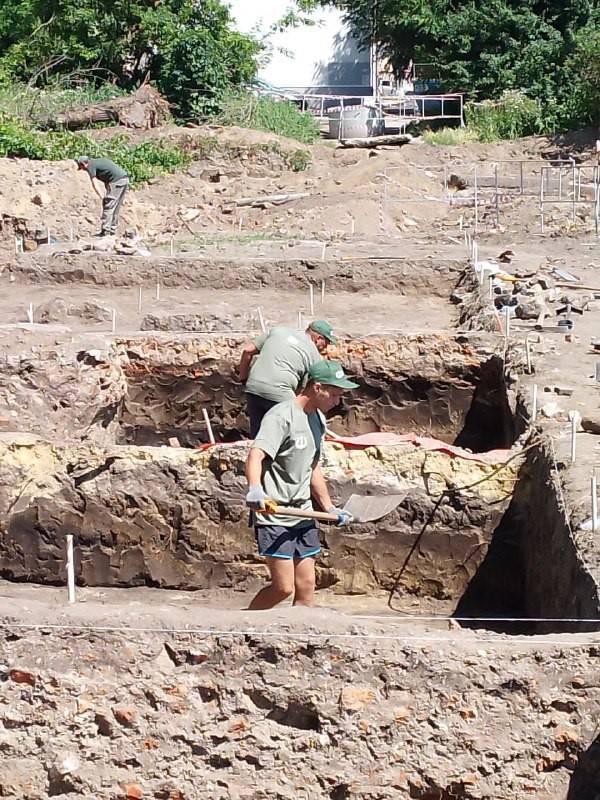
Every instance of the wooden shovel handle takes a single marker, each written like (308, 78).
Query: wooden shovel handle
(284, 511)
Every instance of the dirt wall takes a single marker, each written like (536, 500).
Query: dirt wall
(411, 276)
(175, 518)
(176, 716)
(536, 566)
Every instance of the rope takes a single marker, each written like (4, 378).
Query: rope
(205, 632)
(429, 520)
(442, 618)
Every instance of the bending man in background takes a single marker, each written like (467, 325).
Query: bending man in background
(115, 182)
(284, 358)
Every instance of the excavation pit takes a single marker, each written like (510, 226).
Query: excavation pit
(177, 691)
(148, 514)
(429, 385)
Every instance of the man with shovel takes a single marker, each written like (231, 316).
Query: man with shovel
(283, 469)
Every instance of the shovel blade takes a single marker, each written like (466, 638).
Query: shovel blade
(368, 508)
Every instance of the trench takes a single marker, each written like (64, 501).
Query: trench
(533, 568)
(157, 521)
(468, 408)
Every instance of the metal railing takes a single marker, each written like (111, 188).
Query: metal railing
(406, 109)
(489, 187)
(421, 107)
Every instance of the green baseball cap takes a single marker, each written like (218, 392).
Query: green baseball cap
(324, 329)
(331, 373)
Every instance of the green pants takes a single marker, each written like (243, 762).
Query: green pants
(111, 204)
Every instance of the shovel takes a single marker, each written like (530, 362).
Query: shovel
(363, 508)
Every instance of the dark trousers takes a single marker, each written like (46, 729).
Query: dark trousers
(257, 407)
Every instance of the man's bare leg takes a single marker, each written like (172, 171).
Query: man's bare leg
(281, 586)
(304, 581)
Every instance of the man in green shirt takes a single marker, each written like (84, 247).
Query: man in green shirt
(283, 466)
(115, 180)
(284, 357)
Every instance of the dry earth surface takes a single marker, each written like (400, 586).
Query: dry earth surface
(155, 683)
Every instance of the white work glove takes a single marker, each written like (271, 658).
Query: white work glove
(343, 517)
(256, 498)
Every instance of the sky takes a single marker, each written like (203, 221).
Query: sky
(299, 55)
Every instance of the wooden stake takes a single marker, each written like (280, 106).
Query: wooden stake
(573, 415)
(299, 320)
(140, 300)
(594, 490)
(311, 297)
(507, 323)
(70, 569)
(322, 292)
(261, 320)
(114, 320)
(211, 436)
(172, 246)
(323, 251)
(30, 313)
(158, 291)
(534, 402)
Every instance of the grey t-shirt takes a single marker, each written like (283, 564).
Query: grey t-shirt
(105, 170)
(292, 441)
(282, 363)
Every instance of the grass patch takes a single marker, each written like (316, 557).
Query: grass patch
(265, 114)
(513, 116)
(142, 161)
(450, 137)
(298, 160)
(28, 103)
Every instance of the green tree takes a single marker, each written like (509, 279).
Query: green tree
(204, 59)
(485, 49)
(187, 47)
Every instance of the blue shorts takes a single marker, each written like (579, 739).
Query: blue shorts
(300, 541)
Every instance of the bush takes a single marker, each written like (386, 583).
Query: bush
(17, 141)
(298, 160)
(583, 107)
(511, 117)
(243, 109)
(450, 137)
(190, 48)
(142, 162)
(200, 66)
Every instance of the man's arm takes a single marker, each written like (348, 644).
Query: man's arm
(254, 466)
(319, 490)
(248, 353)
(95, 186)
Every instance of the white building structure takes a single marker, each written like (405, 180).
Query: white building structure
(322, 58)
